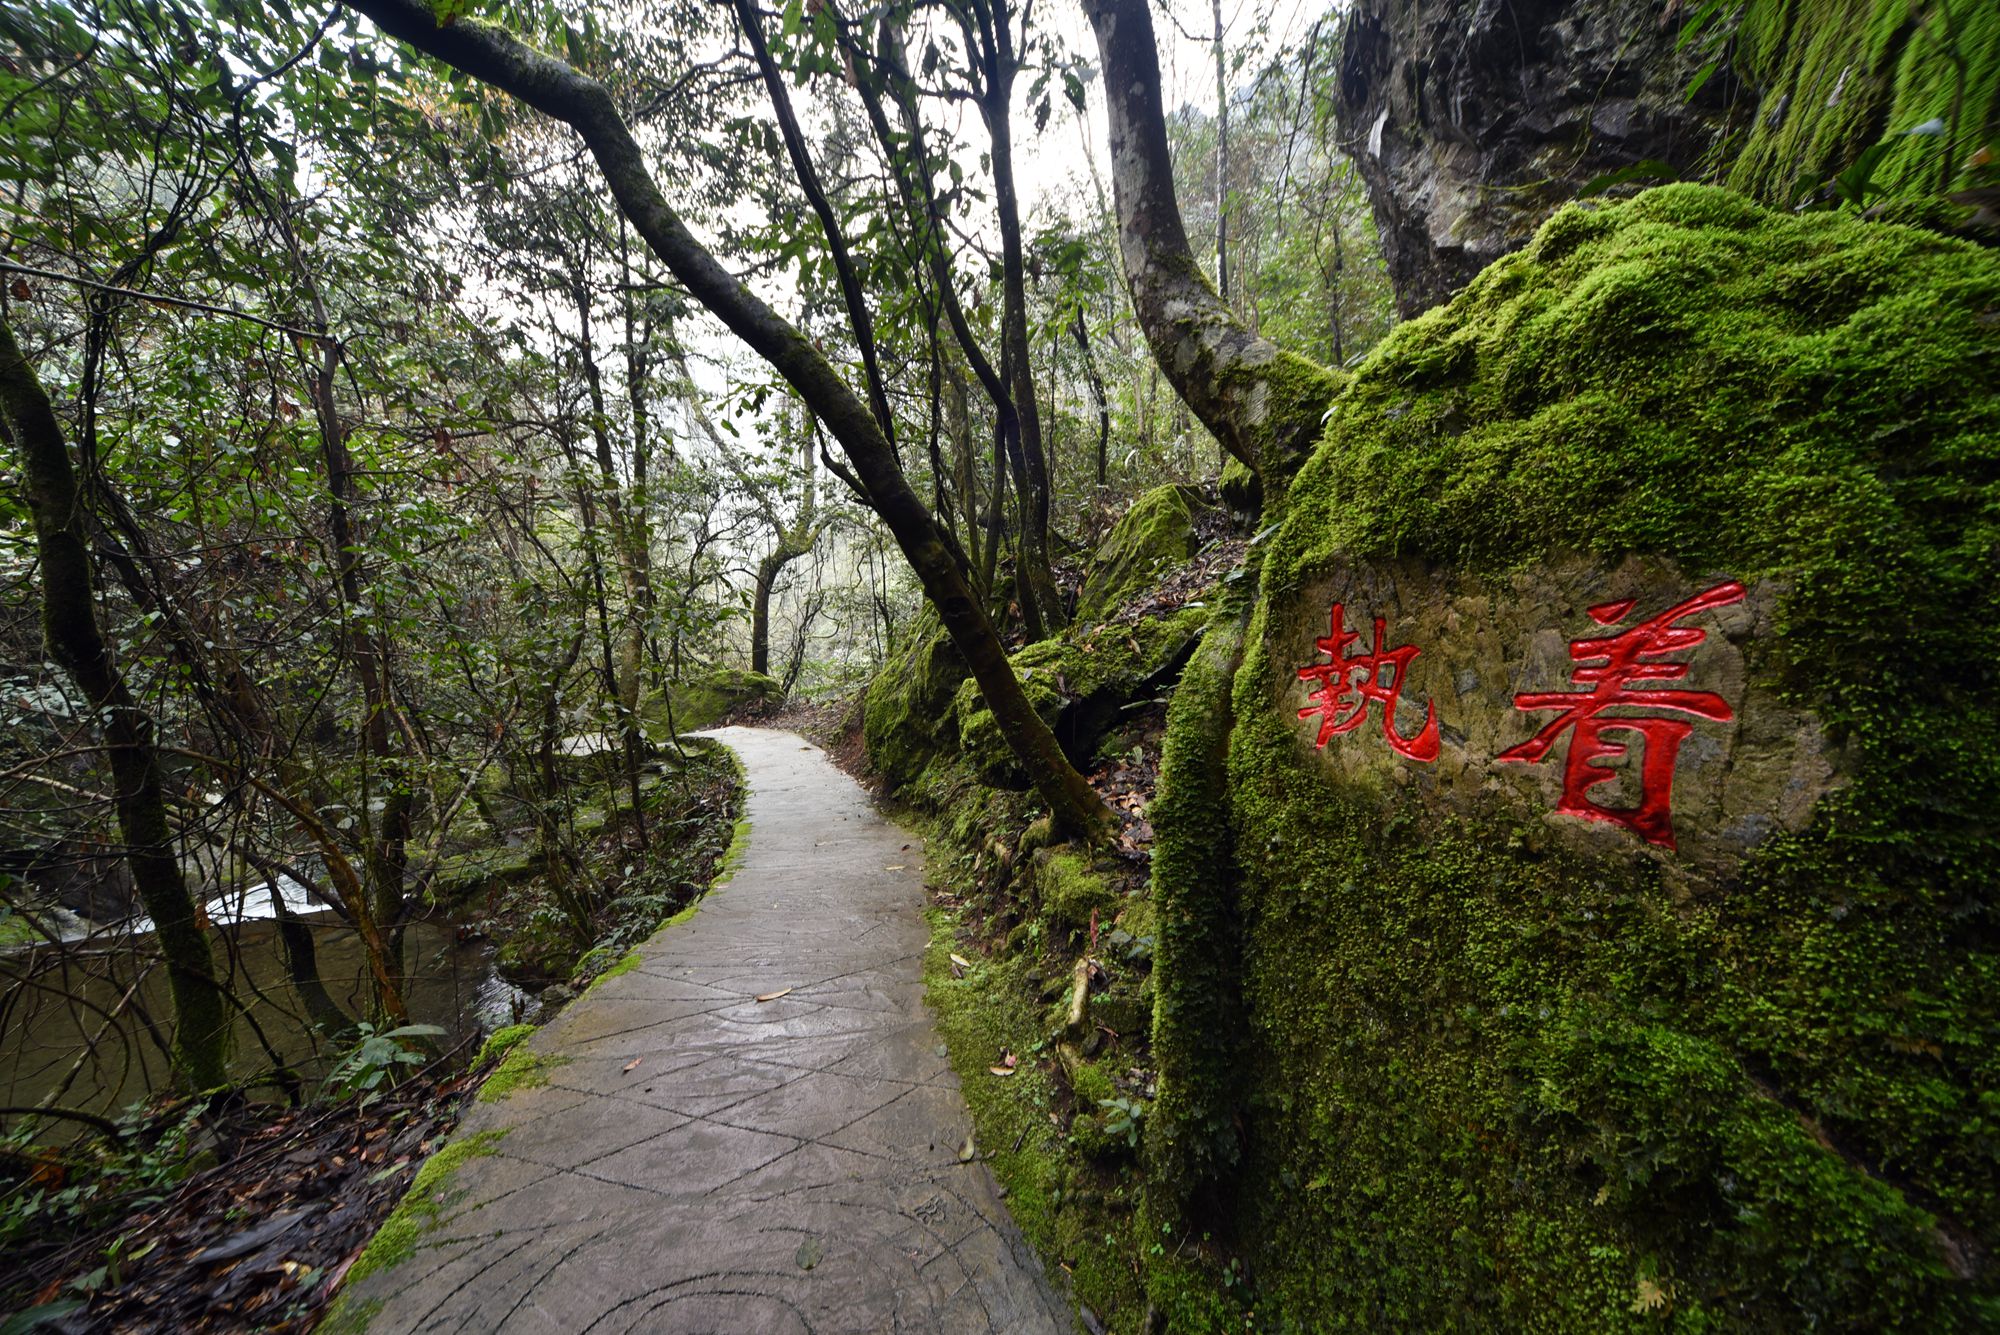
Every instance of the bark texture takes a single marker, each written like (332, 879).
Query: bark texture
(1264, 405)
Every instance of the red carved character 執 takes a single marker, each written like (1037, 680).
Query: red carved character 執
(1350, 683)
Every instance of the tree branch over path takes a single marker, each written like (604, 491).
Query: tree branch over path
(1265, 406)
(560, 91)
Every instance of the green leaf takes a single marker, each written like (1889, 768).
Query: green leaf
(1648, 169)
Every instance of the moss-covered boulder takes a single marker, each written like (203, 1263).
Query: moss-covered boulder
(1571, 1012)
(1079, 684)
(1156, 534)
(704, 701)
(907, 717)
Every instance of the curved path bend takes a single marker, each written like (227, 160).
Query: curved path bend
(702, 1161)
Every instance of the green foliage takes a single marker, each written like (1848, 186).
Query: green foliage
(375, 1058)
(1488, 1086)
(58, 1192)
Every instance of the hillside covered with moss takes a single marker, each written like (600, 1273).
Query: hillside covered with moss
(1427, 1053)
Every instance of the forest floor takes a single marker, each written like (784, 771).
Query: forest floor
(234, 1215)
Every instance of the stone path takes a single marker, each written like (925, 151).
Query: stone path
(702, 1161)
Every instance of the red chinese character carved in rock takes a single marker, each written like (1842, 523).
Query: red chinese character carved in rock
(1611, 668)
(1350, 683)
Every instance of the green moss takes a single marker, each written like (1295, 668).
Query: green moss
(1069, 891)
(1241, 490)
(1076, 1215)
(706, 700)
(626, 963)
(422, 1207)
(500, 1042)
(520, 1069)
(906, 720)
(732, 857)
(16, 930)
(1078, 684)
(1488, 1088)
(1154, 535)
(1191, 1137)
(1838, 76)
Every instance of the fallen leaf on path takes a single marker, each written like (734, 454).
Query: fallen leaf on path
(773, 996)
(900, 866)
(631, 1065)
(967, 1150)
(809, 1253)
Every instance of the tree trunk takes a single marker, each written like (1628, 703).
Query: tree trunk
(385, 841)
(1221, 163)
(552, 87)
(69, 625)
(1034, 571)
(621, 667)
(1097, 396)
(1264, 406)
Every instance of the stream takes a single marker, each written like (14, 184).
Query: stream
(73, 1020)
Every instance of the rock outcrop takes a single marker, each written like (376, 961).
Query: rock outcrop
(1473, 120)
(1606, 835)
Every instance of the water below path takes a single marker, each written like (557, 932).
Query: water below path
(700, 1160)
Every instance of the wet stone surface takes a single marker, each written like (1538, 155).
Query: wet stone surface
(702, 1161)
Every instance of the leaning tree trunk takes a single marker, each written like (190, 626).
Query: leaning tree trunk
(555, 89)
(69, 625)
(1264, 406)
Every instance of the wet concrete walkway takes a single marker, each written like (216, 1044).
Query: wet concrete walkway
(699, 1160)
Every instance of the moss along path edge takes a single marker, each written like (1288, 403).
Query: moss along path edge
(673, 1154)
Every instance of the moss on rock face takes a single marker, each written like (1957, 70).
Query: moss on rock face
(1154, 535)
(1838, 76)
(908, 715)
(704, 701)
(1493, 1084)
(1068, 890)
(1078, 685)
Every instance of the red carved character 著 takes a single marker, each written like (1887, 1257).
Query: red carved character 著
(1350, 683)
(1618, 670)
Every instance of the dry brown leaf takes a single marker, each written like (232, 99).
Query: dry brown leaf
(1001, 1070)
(633, 1063)
(900, 866)
(773, 996)
(1649, 1298)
